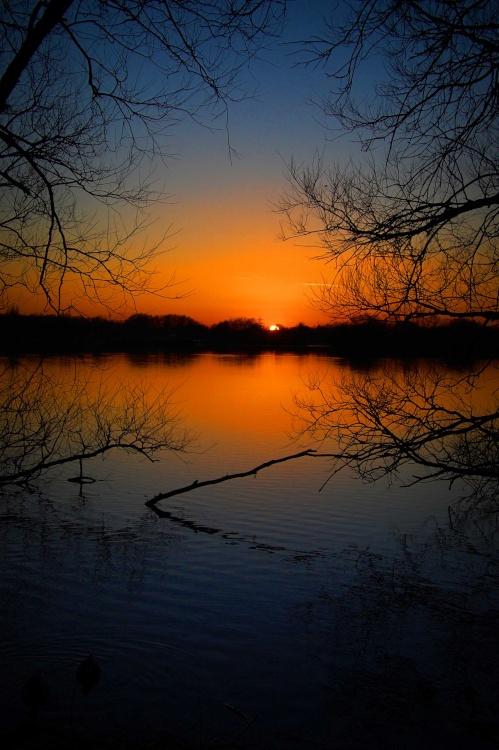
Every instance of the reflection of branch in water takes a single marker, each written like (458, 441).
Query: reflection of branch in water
(230, 535)
(52, 417)
(196, 527)
(235, 537)
(423, 417)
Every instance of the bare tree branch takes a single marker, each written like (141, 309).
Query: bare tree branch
(228, 477)
(412, 228)
(88, 91)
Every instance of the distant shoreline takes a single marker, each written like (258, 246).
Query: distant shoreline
(369, 339)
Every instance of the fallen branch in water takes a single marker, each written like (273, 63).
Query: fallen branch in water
(196, 485)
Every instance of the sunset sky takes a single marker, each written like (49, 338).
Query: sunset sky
(224, 245)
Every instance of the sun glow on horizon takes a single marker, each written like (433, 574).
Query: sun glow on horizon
(273, 328)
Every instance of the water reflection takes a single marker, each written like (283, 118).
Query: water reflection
(383, 641)
(410, 637)
(259, 613)
(74, 409)
(442, 423)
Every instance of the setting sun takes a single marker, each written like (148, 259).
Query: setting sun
(273, 328)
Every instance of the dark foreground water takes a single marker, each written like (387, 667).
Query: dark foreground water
(262, 613)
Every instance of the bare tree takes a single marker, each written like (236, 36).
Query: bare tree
(409, 225)
(88, 89)
(412, 226)
(51, 418)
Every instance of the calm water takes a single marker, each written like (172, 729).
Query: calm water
(261, 610)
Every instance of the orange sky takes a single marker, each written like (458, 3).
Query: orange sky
(229, 262)
(228, 255)
(224, 244)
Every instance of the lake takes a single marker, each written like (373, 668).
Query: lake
(263, 612)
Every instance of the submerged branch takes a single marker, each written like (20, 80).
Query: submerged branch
(239, 475)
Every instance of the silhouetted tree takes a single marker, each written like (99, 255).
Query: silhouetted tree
(87, 91)
(237, 331)
(412, 227)
(163, 329)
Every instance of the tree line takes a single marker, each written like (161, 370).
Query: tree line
(363, 339)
